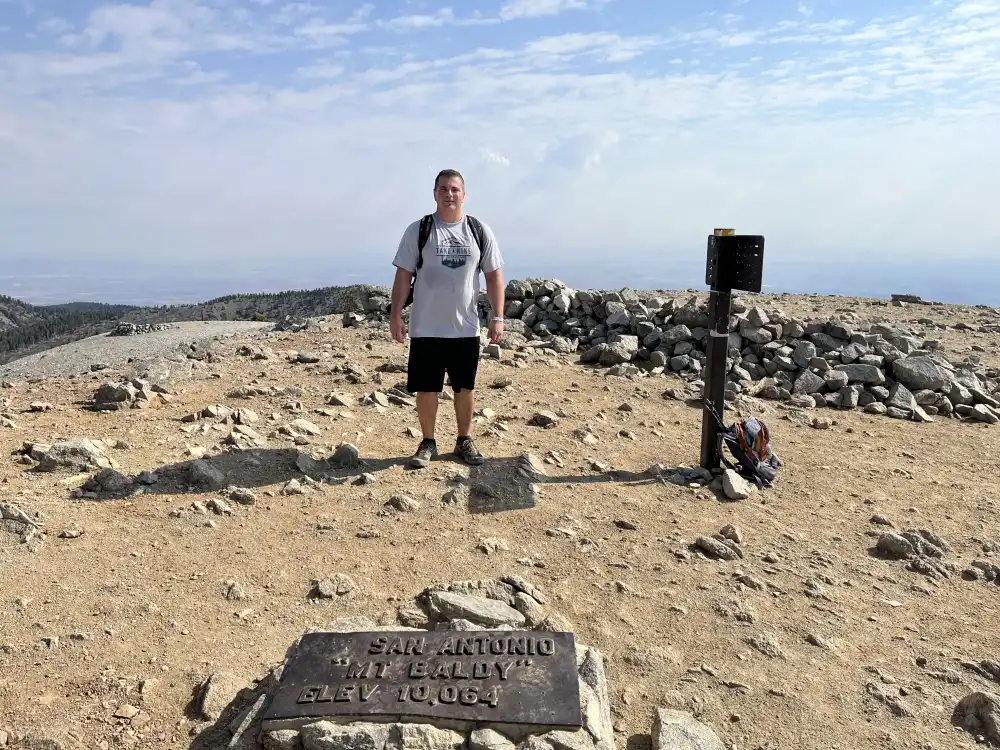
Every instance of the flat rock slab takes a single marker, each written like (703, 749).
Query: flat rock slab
(476, 609)
(466, 680)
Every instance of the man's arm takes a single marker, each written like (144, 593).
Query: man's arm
(400, 290)
(406, 264)
(494, 290)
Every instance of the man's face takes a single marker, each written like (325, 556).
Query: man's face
(449, 194)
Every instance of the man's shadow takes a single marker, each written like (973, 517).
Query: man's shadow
(253, 468)
(498, 485)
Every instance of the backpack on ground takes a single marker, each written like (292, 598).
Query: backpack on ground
(750, 443)
(424, 233)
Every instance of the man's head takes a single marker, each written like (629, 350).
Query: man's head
(449, 194)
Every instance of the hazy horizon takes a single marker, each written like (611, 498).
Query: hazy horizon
(971, 282)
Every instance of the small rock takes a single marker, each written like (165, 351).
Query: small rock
(677, 730)
(732, 533)
(126, 712)
(201, 473)
(346, 456)
(331, 587)
(242, 495)
(306, 427)
(216, 693)
(293, 487)
(110, 481)
(403, 503)
(492, 545)
(234, 592)
(73, 531)
(544, 419)
(735, 486)
(717, 549)
(767, 644)
(489, 739)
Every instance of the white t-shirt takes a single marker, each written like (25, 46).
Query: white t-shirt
(446, 291)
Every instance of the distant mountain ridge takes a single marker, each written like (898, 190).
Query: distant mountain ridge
(27, 329)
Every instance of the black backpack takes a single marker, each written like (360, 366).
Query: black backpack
(424, 233)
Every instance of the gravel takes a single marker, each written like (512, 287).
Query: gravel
(114, 351)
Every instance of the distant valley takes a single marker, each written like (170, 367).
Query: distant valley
(27, 329)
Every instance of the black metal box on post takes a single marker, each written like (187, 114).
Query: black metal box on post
(735, 262)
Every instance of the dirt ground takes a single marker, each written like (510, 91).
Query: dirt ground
(133, 612)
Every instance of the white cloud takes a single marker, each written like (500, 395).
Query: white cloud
(196, 133)
(317, 29)
(538, 8)
(441, 17)
(976, 8)
(609, 47)
(492, 157)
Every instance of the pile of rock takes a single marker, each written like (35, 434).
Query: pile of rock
(362, 304)
(362, 298)
(922, 548)
(136, 329)
(135, 394)
(508, 601)
(238, 424)
(843, 363)
(293, 324)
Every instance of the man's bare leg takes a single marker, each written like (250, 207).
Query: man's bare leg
(427, 409)
(465, 404)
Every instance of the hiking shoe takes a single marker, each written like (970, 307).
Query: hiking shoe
(466, 450)
(425, 452)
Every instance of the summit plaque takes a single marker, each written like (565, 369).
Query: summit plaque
(478, 677)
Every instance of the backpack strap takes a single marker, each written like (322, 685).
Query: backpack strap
(480, 234)
(423, 234)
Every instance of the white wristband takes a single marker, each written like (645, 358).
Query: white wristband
(498, 319)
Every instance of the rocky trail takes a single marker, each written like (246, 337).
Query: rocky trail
(171, 526)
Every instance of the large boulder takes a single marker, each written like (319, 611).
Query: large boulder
(920, 373)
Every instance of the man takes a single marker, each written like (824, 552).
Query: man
(444, 321)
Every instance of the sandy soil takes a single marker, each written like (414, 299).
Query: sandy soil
(133, 612)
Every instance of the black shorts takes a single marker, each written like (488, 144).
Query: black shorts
(430, 358)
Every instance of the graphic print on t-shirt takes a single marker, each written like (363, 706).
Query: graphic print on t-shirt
(453, 251)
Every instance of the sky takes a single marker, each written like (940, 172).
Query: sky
(176, 147)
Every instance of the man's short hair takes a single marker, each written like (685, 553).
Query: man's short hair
(448, 174)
